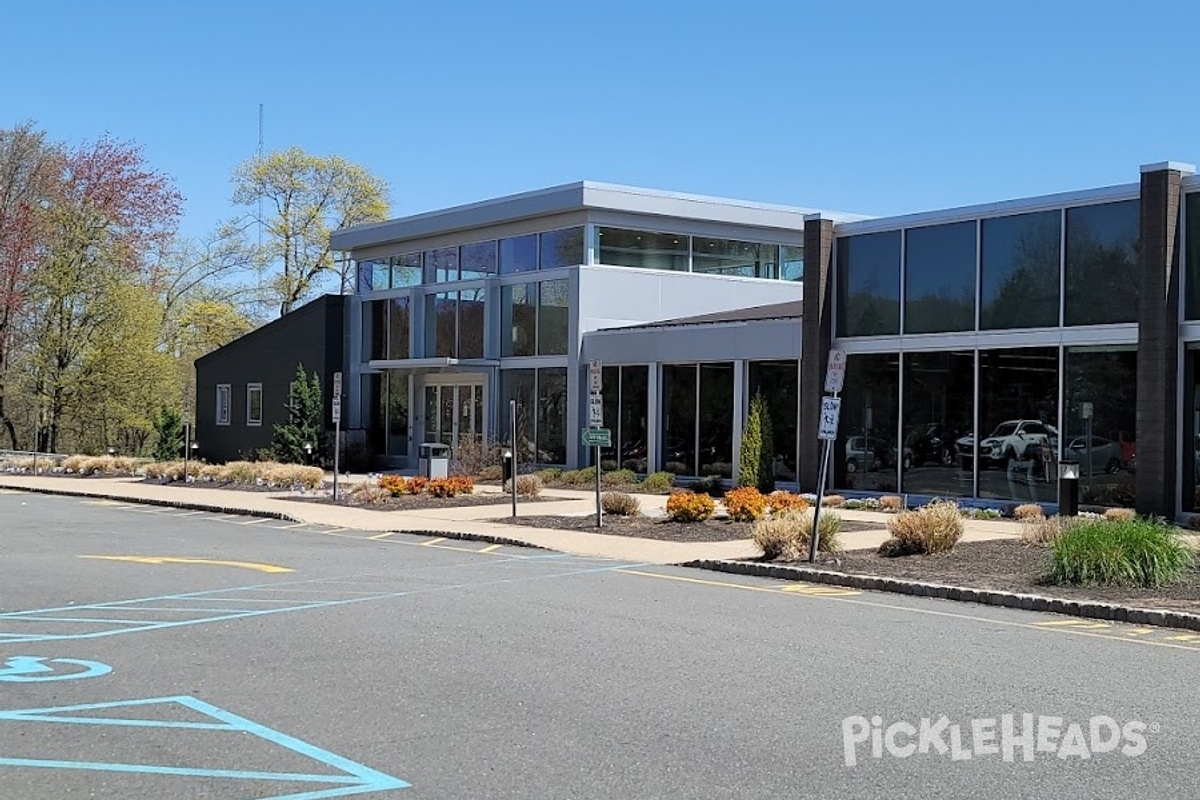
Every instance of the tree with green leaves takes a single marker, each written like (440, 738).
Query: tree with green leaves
(756, 460)
(169, 427)
(304, 409)
(303, 199)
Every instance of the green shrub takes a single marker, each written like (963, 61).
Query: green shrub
(620, 504)
(712, 485)
(619, 477)
(550, 475)
(934, 528)
(658, 482)
(570, 477)
(491, 472)
(1120, 553)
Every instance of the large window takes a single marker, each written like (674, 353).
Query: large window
(939, 278)
(632, 429)
(1019, 274)
(398, 324)
(406, 270)
(777, 381)
(866, 452)
(477, 260)
(518, 320)
(728, 257)
(518, 254)
(1100, 421)
(441, 265)
(254, 403)
(553, 308)
(541, 397)
(374, 335)
(562, 248)
(939, 416)
(625, 248)
(470, 322)
(868, 269)
(1192, 238)
(1102, 277)
(387, 411)
(454, 324)
(1018, 418)
(792, 263)
(697, 407)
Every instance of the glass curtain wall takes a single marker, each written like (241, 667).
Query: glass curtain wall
(864, 458)
(518, 254)
(518, 384)
(562, 248)
(387, 414)
(715, 429)
(553, 309)
(1100, 422)
(939, 413)
(398, 324)
(624, 248)
(541, 397)
(778, 383)
(697, 437)
(1102, 283)
(1019, 278)
(441, 325)
(375, 330)
(1189, 452)
(678, 452)
(1018, 419)
(519, 319)
(939, 278)
(470, 322)
(868, 272)
(728, 257)
(406, 270)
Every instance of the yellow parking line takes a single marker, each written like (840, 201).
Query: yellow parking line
(491, 547)
(254, 565)
(433, 541)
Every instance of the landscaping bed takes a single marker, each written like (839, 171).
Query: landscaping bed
(1008, 565)
(662, 529)
(418, 502)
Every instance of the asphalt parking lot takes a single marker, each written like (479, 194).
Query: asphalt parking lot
(148, 652)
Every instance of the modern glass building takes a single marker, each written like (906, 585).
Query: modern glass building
(985, 344)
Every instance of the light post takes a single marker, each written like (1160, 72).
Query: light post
(308, 448)
(112, 451)
(187, 435)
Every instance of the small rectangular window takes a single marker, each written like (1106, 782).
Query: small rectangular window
(254, 404)
(223, 395)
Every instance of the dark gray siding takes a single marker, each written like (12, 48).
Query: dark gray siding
(313, 335)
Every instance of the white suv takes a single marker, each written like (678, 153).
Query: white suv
(1015, 439)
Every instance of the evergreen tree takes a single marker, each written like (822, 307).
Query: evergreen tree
(304, 408)
(750, 458)
(766, 451)
(169, 427)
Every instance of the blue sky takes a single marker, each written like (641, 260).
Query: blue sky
(871, 107)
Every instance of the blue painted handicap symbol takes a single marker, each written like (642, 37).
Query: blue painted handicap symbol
(342, 778)
(31, 669)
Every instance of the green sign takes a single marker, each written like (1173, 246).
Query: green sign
(597, 437)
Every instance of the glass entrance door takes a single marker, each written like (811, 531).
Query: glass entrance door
(454, 413)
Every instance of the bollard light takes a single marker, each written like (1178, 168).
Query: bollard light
(1068, 470)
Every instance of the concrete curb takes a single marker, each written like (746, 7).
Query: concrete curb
(485, 538)
(1024, 602)
(154, 501)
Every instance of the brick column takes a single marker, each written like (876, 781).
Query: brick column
(1158, 339)
(816, 334)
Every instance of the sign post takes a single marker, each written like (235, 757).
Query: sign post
(337, 428)
(827, 430)
(512, 432)
(595, 422)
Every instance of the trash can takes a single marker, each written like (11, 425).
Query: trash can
(433, 460)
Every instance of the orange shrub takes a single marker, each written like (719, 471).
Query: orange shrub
(452, 486)
(745, 504)
(417, 484)
(394, 484)
(781, 501)
(690, 507)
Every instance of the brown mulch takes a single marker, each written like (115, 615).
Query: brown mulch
(1008, 565)
(418, 502)
(660, 528)
(239, 487)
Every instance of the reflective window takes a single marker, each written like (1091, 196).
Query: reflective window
(518, 254)
(715, 424)
(398, 320)
(553, 308)
(865, 456)
(1019, 271)
(792, 261)
(366, 275)
(869, 284)
(728, 257)
(1100, 422)
(678, 451)
(624, 248)
(1102, 278)
(939, 278)
(441, 265)
(552, 415)
(477, 260)
(939, 416)
(1189, 453)
(441, 311)
(381, 274)
(777, 381)
(223, 403)
(518, 320)
(1018, 418)
(1192, 237)
(632, 431)
(375, 330)
(611, 394)
(562, 248)
(396, 405)
(254, 403)
(406, 270)
(518, 384)
(470, 323)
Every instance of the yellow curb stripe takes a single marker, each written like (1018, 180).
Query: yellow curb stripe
(254, 565)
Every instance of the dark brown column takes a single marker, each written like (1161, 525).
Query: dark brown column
(1158, 340)
(816, 334)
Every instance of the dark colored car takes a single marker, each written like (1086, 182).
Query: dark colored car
(935, 445)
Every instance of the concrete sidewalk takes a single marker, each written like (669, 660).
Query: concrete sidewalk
(487, 521)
